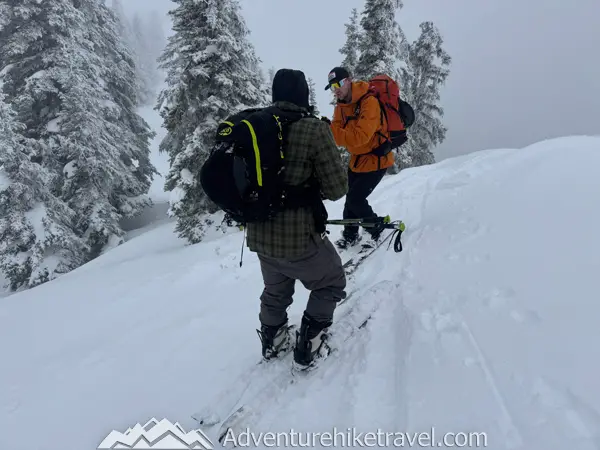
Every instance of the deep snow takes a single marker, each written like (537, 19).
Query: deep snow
(486, 322)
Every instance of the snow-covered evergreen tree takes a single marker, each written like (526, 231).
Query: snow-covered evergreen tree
(313, 97)
(105, 148)
(34, 68)
(212, 72)
(129, 39)
(350, 48)
(380, 45)
(427, 69)
(70, 81)
(31, 37)
(118, 74)
(37, 242)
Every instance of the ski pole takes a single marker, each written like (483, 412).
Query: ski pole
(368, 222)
(398, 226)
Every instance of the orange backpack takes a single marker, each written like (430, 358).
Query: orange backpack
(399, 115)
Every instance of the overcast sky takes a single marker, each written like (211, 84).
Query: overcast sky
(522, 71)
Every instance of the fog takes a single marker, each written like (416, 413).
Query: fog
(522, 71)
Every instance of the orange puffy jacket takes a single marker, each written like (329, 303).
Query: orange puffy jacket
(360, 135)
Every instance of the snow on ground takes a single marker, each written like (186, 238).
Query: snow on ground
(486, 322)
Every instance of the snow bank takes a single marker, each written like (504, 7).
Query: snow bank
(487, 322)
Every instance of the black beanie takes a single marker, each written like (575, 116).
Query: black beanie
(290, 86)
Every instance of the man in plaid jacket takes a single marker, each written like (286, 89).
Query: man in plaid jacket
(291, 246)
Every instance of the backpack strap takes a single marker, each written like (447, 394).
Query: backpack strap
(356, 114)
(284, 119)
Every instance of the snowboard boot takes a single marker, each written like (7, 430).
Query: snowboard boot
(310, 342)
(347, 242)
(374, 234)
(276, 340)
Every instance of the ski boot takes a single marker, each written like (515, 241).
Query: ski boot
(276, 340)
(310, 343)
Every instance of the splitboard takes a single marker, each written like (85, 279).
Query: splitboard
(354, 262)
(256, 390)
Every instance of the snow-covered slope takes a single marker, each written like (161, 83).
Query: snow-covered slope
(486, 322)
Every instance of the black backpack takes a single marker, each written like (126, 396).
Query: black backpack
(243, 175)
(407, 113)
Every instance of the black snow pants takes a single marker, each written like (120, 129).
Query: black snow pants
(360, 186)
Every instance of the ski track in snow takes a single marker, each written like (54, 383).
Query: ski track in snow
(512, 436)
(453, 182)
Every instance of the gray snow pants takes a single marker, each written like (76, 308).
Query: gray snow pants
(319, 270)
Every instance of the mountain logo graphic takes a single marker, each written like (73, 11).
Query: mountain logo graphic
(159, 435)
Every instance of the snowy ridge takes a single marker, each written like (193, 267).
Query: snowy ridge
(491, 325)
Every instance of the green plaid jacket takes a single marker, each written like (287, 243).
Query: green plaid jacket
(311, 150)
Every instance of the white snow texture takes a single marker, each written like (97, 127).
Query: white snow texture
(486, 322)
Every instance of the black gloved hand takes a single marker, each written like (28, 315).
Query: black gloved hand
(325, 119)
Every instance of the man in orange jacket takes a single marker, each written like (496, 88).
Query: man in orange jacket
(359, 125)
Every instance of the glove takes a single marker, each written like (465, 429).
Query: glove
(325, 119)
